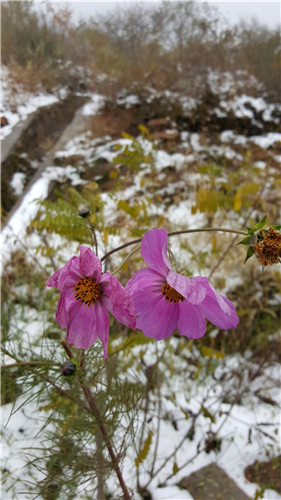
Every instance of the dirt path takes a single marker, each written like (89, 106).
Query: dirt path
(76, 126)
(8, 142)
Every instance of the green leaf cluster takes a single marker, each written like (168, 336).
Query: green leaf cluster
(249, 240)
(134, 156)
(62, 216)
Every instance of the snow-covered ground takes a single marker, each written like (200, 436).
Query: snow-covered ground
(18, 104)
(233, 421)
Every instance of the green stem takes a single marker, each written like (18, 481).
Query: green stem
(114, 458)
(95, 411)
(30, 363)
(175, 233)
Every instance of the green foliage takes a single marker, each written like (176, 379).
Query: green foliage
(248, 239)
(62, 216)
(134, 155)
(211, 169)
(144, 451)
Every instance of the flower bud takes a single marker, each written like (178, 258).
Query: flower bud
(84, 211)
(68, 368)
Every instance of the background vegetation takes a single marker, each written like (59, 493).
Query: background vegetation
(170, 47)
(138, 392)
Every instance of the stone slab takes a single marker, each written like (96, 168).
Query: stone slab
(212, 483)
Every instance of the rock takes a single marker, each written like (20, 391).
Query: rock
(158, 124)
(4, 121)
(212, 483)
(166, 136)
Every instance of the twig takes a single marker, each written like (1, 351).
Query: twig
(93, 232)
(30, 363)
(175, 233)
(125, 260)
(107, 441)
(44, 239)
(67, 349)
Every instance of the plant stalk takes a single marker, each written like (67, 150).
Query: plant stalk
(95, 411)
(107, 441)
(175, 233)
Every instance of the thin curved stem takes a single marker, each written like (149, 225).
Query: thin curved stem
(175, 233)
(125, 260)
(113, 456)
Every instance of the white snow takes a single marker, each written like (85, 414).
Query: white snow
(236, 450)
(94, 106)
(17, 182)
(267, 140)
(17, 106)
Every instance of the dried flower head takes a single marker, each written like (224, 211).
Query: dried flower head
(268, 247)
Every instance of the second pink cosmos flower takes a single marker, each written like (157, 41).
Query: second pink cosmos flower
(165, 300)
(86, 297)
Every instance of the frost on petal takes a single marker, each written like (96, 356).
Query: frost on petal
(191, 322)
(154, 250)
(81, 331)
(118, 300)
(143, 278)
(156, 317)
(90, 265)
(190, 288)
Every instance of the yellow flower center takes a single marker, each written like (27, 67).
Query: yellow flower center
(87, 291)
(171, 294)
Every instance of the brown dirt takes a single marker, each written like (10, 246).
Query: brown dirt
(266, 474)
(114, 121)
(34, 143)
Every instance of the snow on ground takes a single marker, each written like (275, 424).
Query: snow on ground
(16, 105)
(17, 182)
(14, 233)
(92, 149)
(94, 106)
(236, 451)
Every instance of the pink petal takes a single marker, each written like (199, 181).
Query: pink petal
(143, 278)
(191, 322)
(61, 315)
(212, 310)
(217, 308)
(102, 325)
(118, 300)
(81, 331)
(70, 273)
(156, 317)
(90, 265)
(69, 297)
(154, 250)
(189, 288)
(53, 280)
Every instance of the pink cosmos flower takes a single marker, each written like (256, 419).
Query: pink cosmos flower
(165, 300)
(86, 296)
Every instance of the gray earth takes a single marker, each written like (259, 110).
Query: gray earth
(212, 483)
